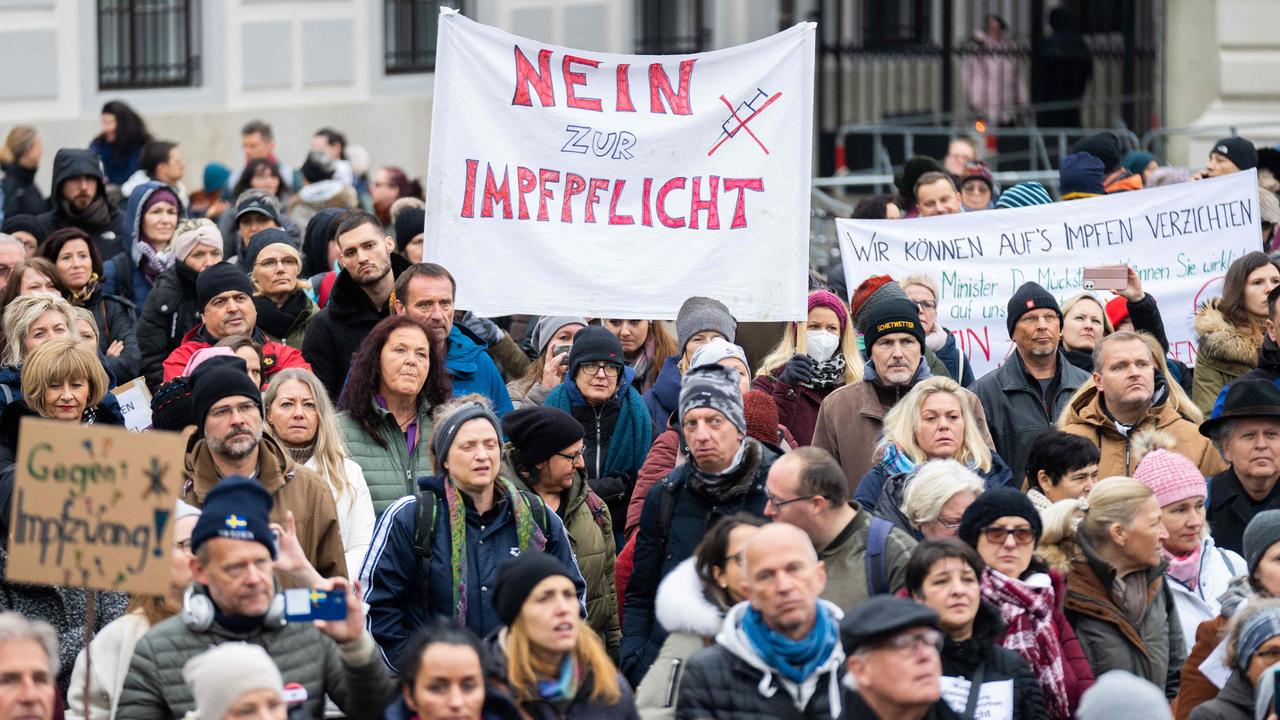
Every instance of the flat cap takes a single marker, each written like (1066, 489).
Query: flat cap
(882, 616)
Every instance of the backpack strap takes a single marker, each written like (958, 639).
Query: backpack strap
(666, 508)
(539, 507)
(8, 394)
(877, 563)
(597, 507)
(424, 530)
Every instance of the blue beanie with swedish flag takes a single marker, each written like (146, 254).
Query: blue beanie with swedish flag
(237, 509)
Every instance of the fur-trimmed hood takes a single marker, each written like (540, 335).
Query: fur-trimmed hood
(681, 606)
(1219, 338)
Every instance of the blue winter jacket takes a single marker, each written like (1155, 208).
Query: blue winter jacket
(951, 355)
(664, 397)
(869, 489)
(396, 606)
(137, 286)
(472, 370)
(107, 412)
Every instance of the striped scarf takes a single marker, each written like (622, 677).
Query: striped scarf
(528, 534)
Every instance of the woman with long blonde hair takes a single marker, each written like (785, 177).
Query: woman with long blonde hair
(812, 360)
(550, 661)
(301, 416)
(932, 422)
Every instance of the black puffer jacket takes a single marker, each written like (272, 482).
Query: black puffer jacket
(169, 314)
(19, 191)
(580, 708)
(729, 681)
(335, 333)
(114, 316)
(962, 660)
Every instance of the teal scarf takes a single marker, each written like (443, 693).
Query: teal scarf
(632, 435)
(794, 660)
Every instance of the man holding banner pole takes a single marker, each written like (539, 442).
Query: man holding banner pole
(1026, 394)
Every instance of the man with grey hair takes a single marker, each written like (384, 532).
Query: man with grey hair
(1129, 394)
(725, 474)
(1247, 433)
(776, 655)
(12, 252)
(28, 668)
(864, 554)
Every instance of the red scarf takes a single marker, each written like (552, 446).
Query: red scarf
(1029, 631)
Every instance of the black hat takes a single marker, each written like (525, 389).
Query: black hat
(409, 223)
(1027, 298)
(217, 279)
(882, 616)
(1237, 150)
(23, 223)
(1248, 399)
(889, 316)
(1103, 145)
(237, 508)
(591, 344)
(171, 405)
(217, 378)
(260, 203)
(262, 240)
(518, 577)
(994, 504)
(912, 169)
(539, 432)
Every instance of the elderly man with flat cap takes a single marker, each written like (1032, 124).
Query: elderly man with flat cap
(1247, 433)
(892, 656)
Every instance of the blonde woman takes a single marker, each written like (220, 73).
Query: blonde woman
(933, 422)
(812, 360)
(1084, 323)
(19, 160)
(281, 297)
(550, 662)
(1119, 544)
(301, 417)
(935, 500)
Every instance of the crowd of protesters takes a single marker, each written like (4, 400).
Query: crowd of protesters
(554, 517)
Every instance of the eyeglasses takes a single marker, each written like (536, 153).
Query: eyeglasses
(997, 534)
(908, 644)
(926, 304)
(780, 503)
(948, 524)
(594, 368)
(573, 457)
(287, 261)
(223, 412)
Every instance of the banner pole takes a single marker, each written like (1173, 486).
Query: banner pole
(90, 613)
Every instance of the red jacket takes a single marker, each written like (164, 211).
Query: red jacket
(275, 356)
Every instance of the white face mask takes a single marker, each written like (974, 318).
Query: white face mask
(822, 344)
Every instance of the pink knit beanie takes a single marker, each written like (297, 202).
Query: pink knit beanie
(1171, 476)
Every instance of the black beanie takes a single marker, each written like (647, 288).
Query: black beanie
(1103, 145)
(518, 577)
(889, 316)
(171, 405)
(262, 240)
(1237, 150)
(991, 506)
(217, 378)
(217, 279)
(409, 223)
(593, 343)
(237, 508)
(1027, 298)
(539, 432)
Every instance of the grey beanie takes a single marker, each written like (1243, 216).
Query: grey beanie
(1262, 532)
(1266, 692)
(703, 313)
(447, 429)
(1121, 694)
(547, 328)
(715, 387)
(888, 291)
(221, 676)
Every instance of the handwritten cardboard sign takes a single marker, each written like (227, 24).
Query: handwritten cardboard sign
(1180, 239)
(610, 185)
(92, 506)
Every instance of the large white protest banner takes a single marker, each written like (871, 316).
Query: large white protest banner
(566, 182)
(1180, 239)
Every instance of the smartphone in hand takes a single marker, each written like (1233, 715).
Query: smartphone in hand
(310, 604)
(558, 349)
(1106, 277)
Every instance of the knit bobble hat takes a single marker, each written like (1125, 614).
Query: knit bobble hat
(592, 344)
(698, 314)
(217, 279)
(977, 170)
(991, 506)
(518, 577)
(539, 432)
(1024, 194)
(220, 676)
(1027, 298)
(1172, 477)
(1262, 532)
